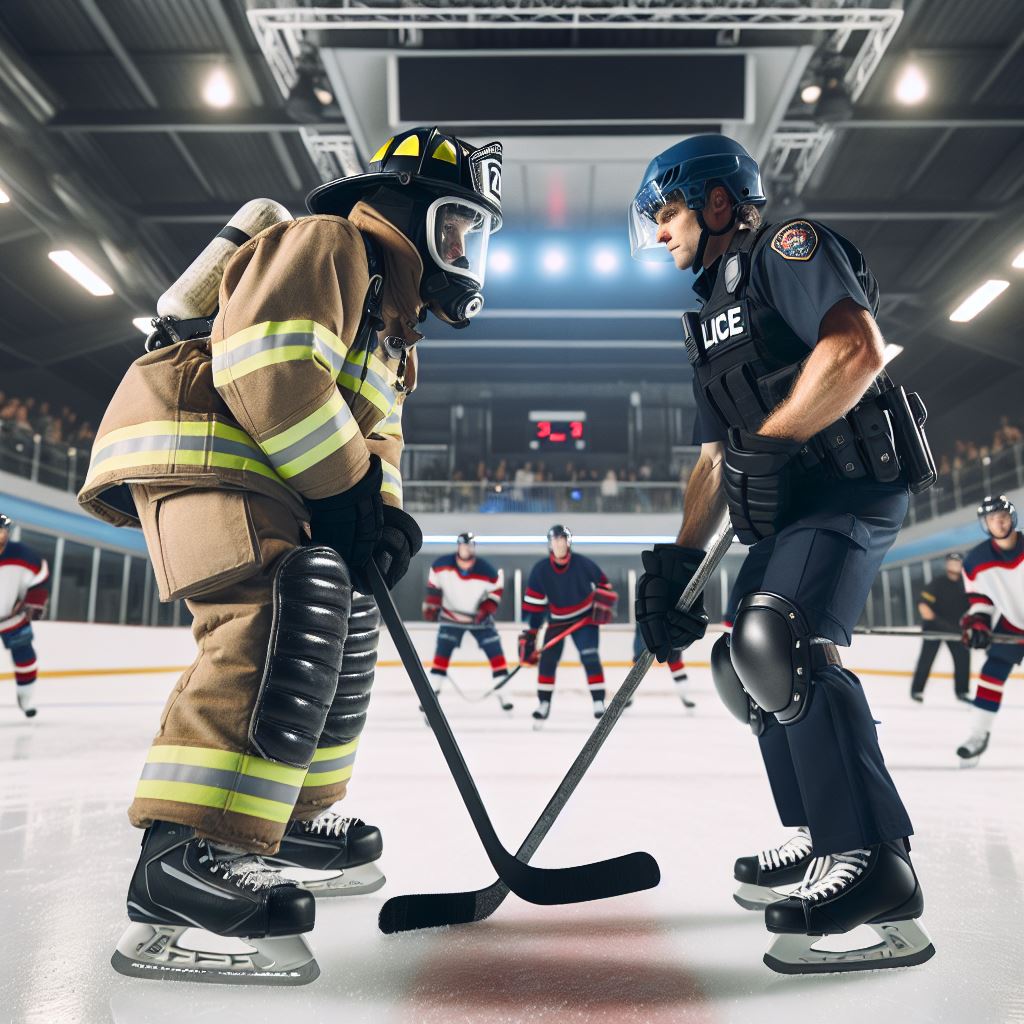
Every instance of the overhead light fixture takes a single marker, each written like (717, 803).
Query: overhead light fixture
(219, 89)
(500, 261)
(834, 104)
(75, 268)
(1018, 261)
(554, 260)
(890, 352)
(978, 300)
(606, 261)
(810, 93)
(4, 197)
(912, 86)
(144, 324)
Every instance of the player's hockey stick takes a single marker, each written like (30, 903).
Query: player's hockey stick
(432, 910)
(546, 886)
(997, 638)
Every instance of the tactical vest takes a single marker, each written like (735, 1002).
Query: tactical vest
(745, 358)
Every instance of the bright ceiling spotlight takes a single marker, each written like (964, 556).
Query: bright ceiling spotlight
(500, 261)
(912, 86)
(219, 89)
(143, 323)
(978, 300)
(75, 268)
(554, 260)
(810, 93)
(1018, 261)
(4, 197)
(606, 261)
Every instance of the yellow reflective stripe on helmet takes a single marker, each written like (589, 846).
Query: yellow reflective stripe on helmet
(379, 155)
(445, 151)
(409, 146)
(274, 342)
(312, 439)
(392, 480)
(212, 796)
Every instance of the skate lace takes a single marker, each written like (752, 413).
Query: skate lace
(329, 823)
(788, 853)
(827, 876)
(245, 870)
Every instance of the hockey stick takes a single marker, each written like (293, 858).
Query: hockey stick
(997, 638)
(546, 886)
(432, 910)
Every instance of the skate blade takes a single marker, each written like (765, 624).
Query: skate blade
(351, 882)
(756, 897)
(970, 762)
(901, 944)
(155, 952)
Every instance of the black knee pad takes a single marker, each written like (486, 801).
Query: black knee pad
(312, 602)
(347, 714)
(736, 700)
(771, 653)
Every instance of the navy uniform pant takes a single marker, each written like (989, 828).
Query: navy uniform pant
(450, 635)
(827, 771)
(999, 662)
(585, 638)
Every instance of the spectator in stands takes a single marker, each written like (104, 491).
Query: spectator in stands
(610, 492)
(1006, 434)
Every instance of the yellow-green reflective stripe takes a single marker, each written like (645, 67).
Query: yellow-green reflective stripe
(225, 760)
(187, 428)
(365, 389)
(392, 479)
(201, 459)
(274, 327)
(329, 753)
(299, 431)
(211, 796)
(314, 779)
(320, 435)
(286, 354)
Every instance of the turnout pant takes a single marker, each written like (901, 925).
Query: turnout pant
(450, 635)
(586, 639)
(19, 642)
(996, 669)
(826, 771)
(216, 762)
(961, 665)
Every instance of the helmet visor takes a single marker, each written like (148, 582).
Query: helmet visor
(458, 231)
(643, 224)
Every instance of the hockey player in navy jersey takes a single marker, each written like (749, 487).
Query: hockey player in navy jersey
(994, 579)
(565, 588)
(24, 591)
(463, 593)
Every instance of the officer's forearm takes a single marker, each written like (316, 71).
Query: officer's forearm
(926, 612)
(704, 501)
(844, 362)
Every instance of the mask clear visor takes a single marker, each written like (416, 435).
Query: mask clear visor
(643, 225)
(457, 235)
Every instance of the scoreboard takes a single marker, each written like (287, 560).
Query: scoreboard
(555, 430)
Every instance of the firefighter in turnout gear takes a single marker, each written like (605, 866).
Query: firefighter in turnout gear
(262, 465)
(785, 340)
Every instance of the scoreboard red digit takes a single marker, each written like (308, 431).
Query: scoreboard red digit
(558, 430)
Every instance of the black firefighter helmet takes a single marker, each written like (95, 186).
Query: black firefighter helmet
(445, 196)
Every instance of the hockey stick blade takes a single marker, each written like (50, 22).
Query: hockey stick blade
(544, 886)
(550, 643)
(435, 910)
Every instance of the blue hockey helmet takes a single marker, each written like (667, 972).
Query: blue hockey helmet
(691, 168)
(998, 503)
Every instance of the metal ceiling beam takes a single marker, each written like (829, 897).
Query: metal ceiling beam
(890, 118)
(238, 119)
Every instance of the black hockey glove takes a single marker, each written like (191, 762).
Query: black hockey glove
(351, 522)
(400, 539)
(976, 631)
(667, 570)
(528, 646)
(756, 475)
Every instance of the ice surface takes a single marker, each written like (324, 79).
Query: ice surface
(689, 788)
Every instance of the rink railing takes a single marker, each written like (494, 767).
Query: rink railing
(24, 453)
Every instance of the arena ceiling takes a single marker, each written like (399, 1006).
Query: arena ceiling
(107, 148)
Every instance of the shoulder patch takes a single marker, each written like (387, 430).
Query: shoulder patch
(796, 240)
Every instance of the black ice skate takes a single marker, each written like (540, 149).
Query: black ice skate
(182, 882)
(759, 876)
(972, 748)
(876, 887)
(331, 855)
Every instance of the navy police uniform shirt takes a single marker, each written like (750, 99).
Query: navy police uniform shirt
(802, 273)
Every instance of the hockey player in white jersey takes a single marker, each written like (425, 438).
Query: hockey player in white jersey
(463, 593)
(994, 580)
(24, 591)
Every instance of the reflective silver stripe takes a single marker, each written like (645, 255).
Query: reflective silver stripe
(222, 779)
(320, 767)
(176, 442)
(372, 378)
(307, 339)
(338, 421)
(392, 478)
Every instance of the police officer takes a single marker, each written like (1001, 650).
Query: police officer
(942, 604)
(793, 419)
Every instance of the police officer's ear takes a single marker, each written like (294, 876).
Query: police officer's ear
(718, 208)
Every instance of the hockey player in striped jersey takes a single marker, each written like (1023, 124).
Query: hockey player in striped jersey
(24, 590)
(565, 588)
(676, 666)
(463, 593)
(994, 580)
